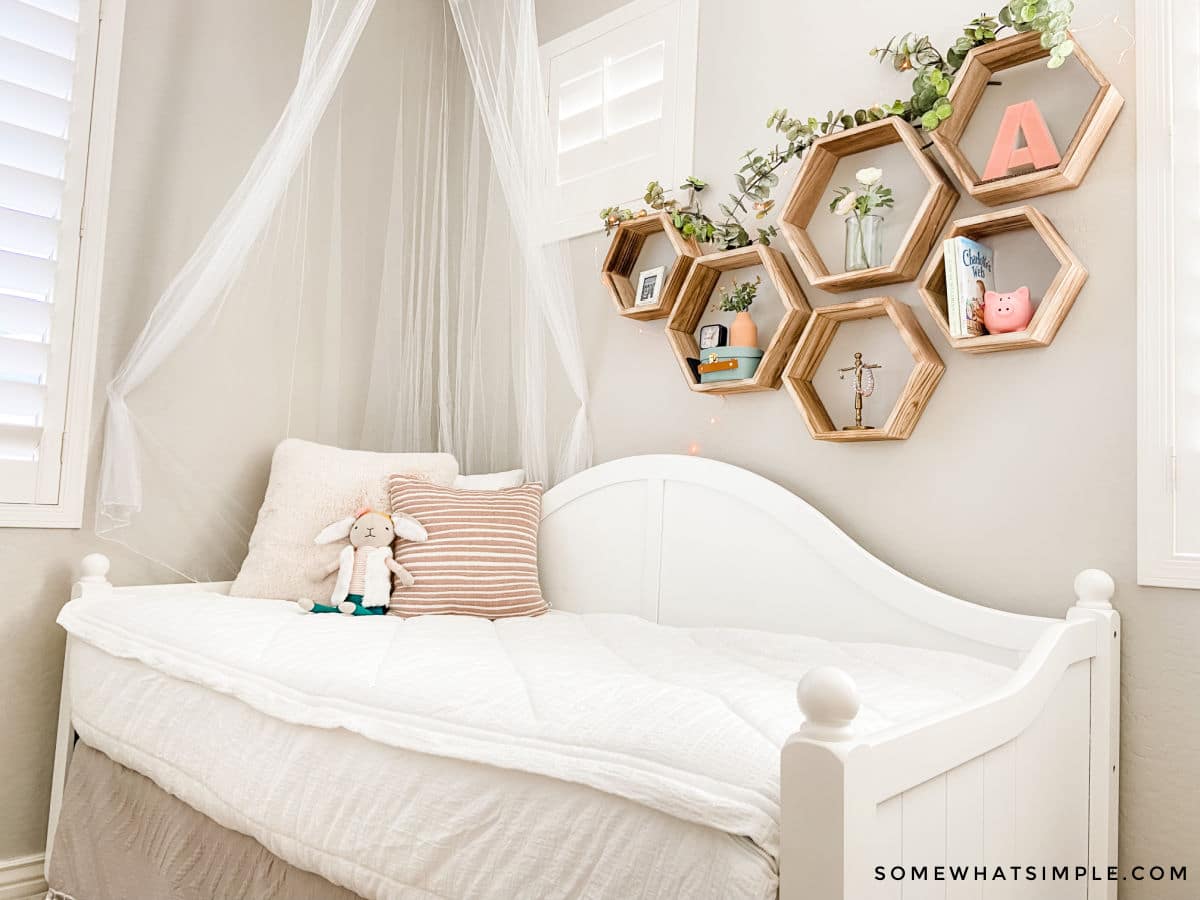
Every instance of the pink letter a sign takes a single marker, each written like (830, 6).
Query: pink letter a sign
(1039, 151)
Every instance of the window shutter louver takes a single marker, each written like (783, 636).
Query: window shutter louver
(620, 94)
(38, 50)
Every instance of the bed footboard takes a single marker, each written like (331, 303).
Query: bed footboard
(1025, 778)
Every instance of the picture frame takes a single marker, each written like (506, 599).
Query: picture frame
(649, 286)
(713, 336)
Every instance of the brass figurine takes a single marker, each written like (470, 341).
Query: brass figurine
(864, 386)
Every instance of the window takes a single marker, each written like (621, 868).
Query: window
(621, 99)
(1168, 153)
(57, 102)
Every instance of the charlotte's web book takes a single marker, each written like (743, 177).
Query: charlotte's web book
(969, 273)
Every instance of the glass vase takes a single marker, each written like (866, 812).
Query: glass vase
(864, 242)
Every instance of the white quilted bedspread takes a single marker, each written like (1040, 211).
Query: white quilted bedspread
(689, 722)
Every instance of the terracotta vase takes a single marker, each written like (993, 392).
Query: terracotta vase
(743, 332)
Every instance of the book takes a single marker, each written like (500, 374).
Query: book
(969, 274)
(950, 264)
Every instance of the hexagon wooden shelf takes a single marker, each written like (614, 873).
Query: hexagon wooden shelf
(808, 194)
(623, 255)
(814, 344)
(694, 298)
(1055, 303)
(981, 65)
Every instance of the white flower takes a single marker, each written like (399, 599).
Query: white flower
(846, 204)
(868, 176)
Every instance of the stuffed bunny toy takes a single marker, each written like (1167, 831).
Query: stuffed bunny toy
(365, 565)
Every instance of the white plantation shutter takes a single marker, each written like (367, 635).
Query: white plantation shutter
(47, 66)
(621, 98)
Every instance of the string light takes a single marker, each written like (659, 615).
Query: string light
(693, 448)
(1114, 20)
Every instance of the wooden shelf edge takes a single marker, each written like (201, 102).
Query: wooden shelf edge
(623, 253)
(812, 181)
(694, 298)
(742, 386)
(1055, 304)
(851, 437)
(814, 344)
(645, 313)
(1089, 136)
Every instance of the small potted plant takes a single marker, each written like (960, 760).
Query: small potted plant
(864, 229)
(742, 332)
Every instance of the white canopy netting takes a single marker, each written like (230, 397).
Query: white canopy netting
(378, 280)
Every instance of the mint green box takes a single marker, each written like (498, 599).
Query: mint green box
(747, 359)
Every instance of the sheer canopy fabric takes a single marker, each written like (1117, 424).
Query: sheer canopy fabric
(499, 40)
(376, 281)
(333, 33)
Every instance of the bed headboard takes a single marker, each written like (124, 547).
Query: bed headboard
(684, 540)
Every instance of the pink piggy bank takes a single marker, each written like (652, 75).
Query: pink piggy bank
(1007, 312)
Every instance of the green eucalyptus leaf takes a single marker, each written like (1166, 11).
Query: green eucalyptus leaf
(930, 120)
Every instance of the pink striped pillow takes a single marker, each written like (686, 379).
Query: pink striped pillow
(481, 556)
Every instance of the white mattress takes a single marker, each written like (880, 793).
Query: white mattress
(684, 724)
(391, 823)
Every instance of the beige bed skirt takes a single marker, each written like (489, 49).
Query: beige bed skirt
(121, 837)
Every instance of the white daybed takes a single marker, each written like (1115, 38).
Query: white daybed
(1024, 773)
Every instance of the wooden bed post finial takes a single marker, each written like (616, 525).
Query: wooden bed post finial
(1095, 589)
(829, 700)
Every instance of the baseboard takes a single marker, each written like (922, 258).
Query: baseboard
(22, 877)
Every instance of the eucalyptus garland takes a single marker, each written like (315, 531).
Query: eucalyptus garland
(926, 109)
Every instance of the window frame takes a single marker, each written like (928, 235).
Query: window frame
(687, 37)
(1159, 564)
(75, 322)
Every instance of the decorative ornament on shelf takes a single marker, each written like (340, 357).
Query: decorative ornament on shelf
(862, 386)
(1004, 313)
(1009, 156)
(742, 332)
(864, 229)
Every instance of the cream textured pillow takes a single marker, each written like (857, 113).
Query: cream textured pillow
(312, 485)
(492, 481)
(481, 555)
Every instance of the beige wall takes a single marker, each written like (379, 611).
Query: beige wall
(201, 84)
(1021, 472)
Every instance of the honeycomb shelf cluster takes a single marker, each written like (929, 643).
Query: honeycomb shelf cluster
(796, 350)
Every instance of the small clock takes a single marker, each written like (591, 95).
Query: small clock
(712, 336)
